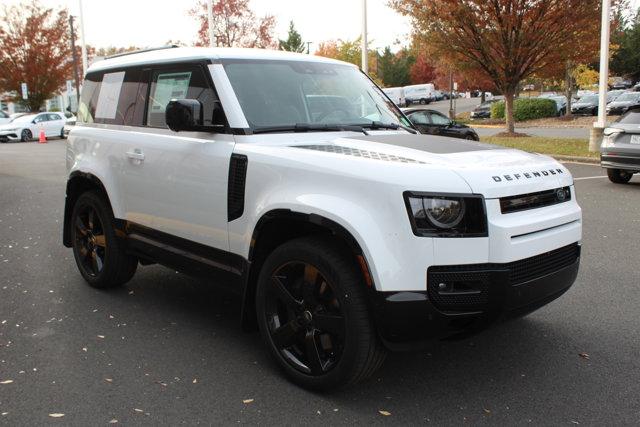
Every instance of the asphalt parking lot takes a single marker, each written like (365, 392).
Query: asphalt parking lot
(168, 350)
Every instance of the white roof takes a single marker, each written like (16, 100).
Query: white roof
(199, 53)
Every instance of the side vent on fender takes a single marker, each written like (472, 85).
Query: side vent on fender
(235, 192)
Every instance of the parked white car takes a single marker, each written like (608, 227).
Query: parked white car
(26, 128)
(396, 94)
(292, 180)
(419, 94)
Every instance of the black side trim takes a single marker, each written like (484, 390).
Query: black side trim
(235, 191)
(186, 256)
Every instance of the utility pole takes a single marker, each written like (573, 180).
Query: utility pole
(308, 49)
(83, 40)
(595, 137)
(212, 40)
(365, 60)
(75, 61)
(452, 112)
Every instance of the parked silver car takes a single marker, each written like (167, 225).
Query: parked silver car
(620, 150)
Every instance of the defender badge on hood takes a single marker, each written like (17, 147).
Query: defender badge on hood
(527, 175)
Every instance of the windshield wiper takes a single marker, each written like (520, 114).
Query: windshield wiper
(310, 127)
(374, 125)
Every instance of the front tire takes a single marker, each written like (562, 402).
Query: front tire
(619, 176)
(313, 316)
(99, 254)
(26, 136)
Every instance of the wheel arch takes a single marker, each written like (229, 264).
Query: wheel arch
(78, 183)
(279, 226)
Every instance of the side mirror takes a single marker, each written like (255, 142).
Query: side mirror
(184, 114)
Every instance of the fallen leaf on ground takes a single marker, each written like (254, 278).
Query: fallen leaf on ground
(56, 415)
(4, 413)
(486, 411)
(138, 410)
(195, 380)
(385, 413)
(6, 382)
(109, 380)
(101, 336)
(113, 421)
(584, 356)
(161, 383)
(247, 401)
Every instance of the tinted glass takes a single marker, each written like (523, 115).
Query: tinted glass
(419, 118)
(89, 98)
(438, 119)
(3, 115)
(188, 82)
(631, 117)
(41, 118)
(285, 93)
(54, 117)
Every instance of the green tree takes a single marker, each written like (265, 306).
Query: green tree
(626, 59)
(294, 42)
(394, 69)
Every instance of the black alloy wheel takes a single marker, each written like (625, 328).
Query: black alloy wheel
(90, 241)
(313, 315)
(306, 321)
(99, 254)
(26, 135)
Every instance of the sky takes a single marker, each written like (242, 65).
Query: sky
(147, 23)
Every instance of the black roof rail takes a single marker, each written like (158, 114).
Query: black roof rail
(151, 49)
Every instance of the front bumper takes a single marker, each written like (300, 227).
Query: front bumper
(9, 136)
(474, 297)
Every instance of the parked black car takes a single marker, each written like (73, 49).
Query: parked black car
(435, 123)
(482, 111)
(587, 105)
(624, 103)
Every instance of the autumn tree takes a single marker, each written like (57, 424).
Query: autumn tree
(422, 71)
(34, 49)
(234, 25)
(350, 51)
(509, 40)
(294, 42)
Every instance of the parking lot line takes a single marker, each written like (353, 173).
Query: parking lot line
(589, 177)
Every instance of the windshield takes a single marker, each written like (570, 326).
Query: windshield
(628, 97)
(589, 99)
(286, 93)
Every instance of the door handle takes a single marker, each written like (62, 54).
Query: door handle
(136, 154)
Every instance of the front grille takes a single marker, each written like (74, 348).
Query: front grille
(469, 287)
(539, 199)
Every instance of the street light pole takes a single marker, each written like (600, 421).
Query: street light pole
(74, 55)
(595, 138)
(365, 59)
(212, 39)
(83, 46)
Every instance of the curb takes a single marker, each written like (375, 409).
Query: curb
(486, 126)
(576, 159)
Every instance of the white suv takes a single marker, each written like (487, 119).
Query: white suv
(294, 180)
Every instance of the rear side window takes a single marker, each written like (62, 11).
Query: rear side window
(110, 98)
(188, 82)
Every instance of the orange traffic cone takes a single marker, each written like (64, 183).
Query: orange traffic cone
(43, 139)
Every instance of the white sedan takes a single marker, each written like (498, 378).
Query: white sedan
(25, 128)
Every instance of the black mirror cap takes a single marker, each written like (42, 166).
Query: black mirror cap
(184, 115)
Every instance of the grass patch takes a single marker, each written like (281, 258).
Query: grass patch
(552, 146)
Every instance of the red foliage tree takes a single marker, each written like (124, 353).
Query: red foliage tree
(235, 25)
(422, 71)
(34, 49)
(509, 40)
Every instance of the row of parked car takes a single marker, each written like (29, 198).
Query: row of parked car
(422, 94)
(25, 127)
(619, 101)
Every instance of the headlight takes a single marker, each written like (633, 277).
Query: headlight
(435, 215)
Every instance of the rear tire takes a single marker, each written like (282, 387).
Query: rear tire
(619, 176)
(99, 254)
(62, 136)
(313, 352)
